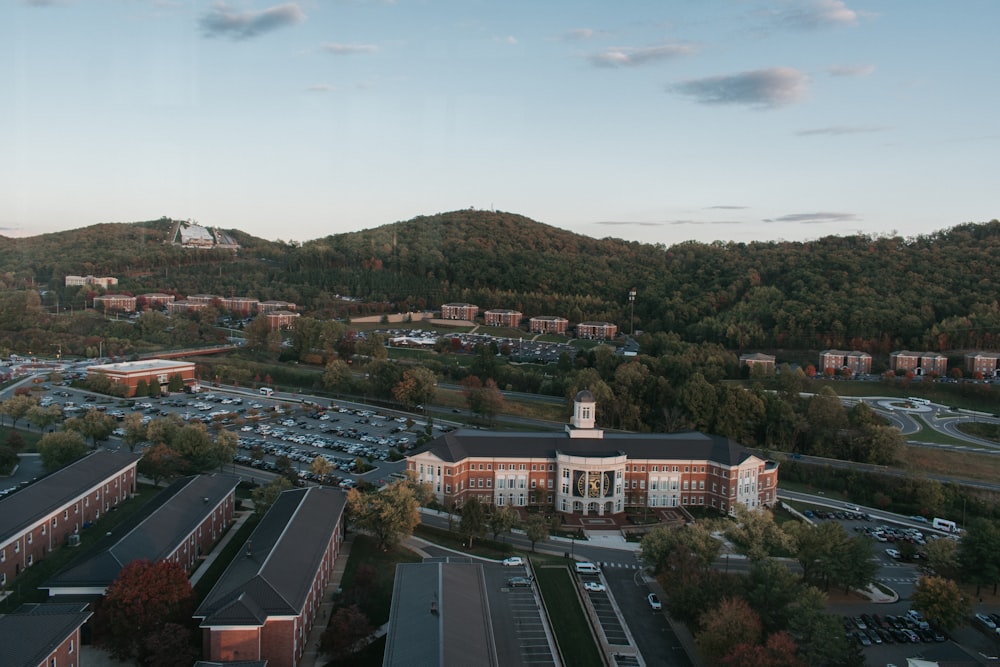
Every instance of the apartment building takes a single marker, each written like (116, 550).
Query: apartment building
(106, 282)
(584, 470)
(839, 361)
(459, 311)
(503, 318)
(45, 515)
(759, 360)
(281, 319)
(115, 303)
(42, 635)
(918, 363)
(154, 300)
(273, 305)
(596, 330)
(185, 306)
(243, 306)
(548, 324)
(983, 363)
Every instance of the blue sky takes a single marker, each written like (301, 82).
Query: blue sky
(656, 121)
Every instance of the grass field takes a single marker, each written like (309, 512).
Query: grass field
(979, 467)
(569, 623)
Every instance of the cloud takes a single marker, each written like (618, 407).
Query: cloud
(507, 39)
(837, 130)
(320, 88)
(631, 57)
(763, 88)
(628, 223)
(224, 21)
(704, 222)
(851, 70)
(349, 49)
(818, 14)
(814, 218)
(579, 34)
(728, 208)
(43, 3)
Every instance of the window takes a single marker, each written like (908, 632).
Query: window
(714, 488)
(55, 521)
(29, 538)
(480, 482)
(522, 467)
(500, 482)
(66, 515)
(701, 485)
(3, 579)
(532, 483)
(656, 469)
(633, 484)
(534, 467)
(675, 468)
(43, 529)
(480, 466)
(551, 467)
(489, 466)
(501, 466)
(686, 469)
(643, 468)
(685, 485)
(3, 555)
(642, 484)
(489, 483)
(549, 483)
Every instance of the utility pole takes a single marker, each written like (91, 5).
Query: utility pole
(631, 311)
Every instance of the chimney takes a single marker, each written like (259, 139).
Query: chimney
(249, 552)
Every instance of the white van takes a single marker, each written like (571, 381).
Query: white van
(587, 568)
(266, 391)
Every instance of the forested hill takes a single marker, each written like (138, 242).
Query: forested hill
(934, 292)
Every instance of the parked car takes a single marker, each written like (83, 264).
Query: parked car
(594, 587)
(654, 602)
(518, 582)
(986, 621)
(512, 561)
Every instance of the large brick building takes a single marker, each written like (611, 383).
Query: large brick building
(265, 603)
(42, 516)
(159, 371)
(181, 525)
(919, 363)
(459, 311)
(596, 330)
(115, 303)
(982, 363)
(584, 470)
(42, 635)
(548, 324)
(839, 361)
(503, 318)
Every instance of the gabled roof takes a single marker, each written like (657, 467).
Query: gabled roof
(467, 443)
(33, 631)
(273, 574)
(153, 534)
(36, 501)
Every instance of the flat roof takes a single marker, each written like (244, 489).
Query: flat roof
(143, 365)
(52, 492)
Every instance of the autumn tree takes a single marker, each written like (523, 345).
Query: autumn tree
(778, 651)
(144, 598)
(694, 541)
(16, 407)
(266, 495)
(321, 467)
(348, 627)
(160, 462)
(93, 424)
(389, 514)
(42, 417)
(337, 375)
(194, 445)
(731, 624)
(60, 448)
(502, 520)
(941, 601)
(135, 430)
(473, 521)
(416, 387)
(942, 557)
(756, 535)
(536, 528)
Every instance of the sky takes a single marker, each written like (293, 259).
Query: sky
(658, 121)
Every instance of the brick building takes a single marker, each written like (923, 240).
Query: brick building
(184, 522)
(503, 318)
(264, 605)
(759, 360)
(155, 300)
(185, 306)
(159, 371)
(42, 516)
(586, 471)
(42, 635)
(115, 303)
(272, 305)
(984, 363)
(839, 361)
(919, 363)
(596, 330)
(281, 319)
(548, 324)
(106, 282)
(459, 311)
(241, 305)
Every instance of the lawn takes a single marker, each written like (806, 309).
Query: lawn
(215, 570)
(566, 615)
(369, 575)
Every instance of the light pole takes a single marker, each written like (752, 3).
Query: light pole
(631, 311)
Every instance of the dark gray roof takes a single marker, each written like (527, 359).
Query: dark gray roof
(470, 443)
(25, 507)
(440, 616)
(234, 663)
(285, 550)
(153, 534)
(33, 631)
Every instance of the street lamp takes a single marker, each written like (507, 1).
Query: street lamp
(631, 313)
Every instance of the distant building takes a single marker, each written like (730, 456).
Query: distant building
(266, 602)
(185, 306)
(459, 311)
(241, 305)
(548, 324)
(596, 330)
(155, 300)
(273, 305)
(858, 363)
(181, 525)
(43, 635)
(630, 348)
(765, 362)
(502, 318)
(115, 303)
(158, 371)
(280, 319)
(79, 281)
(43, 516)
(982, 362)
(207, 299)
(919, 363)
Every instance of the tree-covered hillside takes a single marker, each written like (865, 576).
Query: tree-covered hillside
(934, 292)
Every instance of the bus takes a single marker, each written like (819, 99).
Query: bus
(918, 401)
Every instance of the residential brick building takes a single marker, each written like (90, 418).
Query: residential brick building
(919, 363)
(115, 303)
(587, 471)
(459, 311)
(281, 319)
(984, 363)
(241, 305)
(181, 525)
(155, 300)
(78, 281)
(264, 605)
(207, 299)
(42, 635)
(159, 371)
(42, 516)
(548, 324)
(858, 363)
(185, 306)
(759, 360)
(503, 318)
(272, 305)
(596, 330)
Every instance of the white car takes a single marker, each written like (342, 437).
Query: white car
(654, 602)
(594, 587)
(892, 553)
(513, 561)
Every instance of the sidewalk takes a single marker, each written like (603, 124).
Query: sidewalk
(241, 518)
(312, 655)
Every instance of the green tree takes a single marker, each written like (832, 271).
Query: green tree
(43, 417)
(502, 520)
(417, 387)
(175, 384)
(93, 424)
(473, 522)
(226, 444)
(942, 557)
(337, 375)
(144, 598)
(60, 448)
(756, 535)
(941, 601)
(389, 514)
(135, 430)
(536, 528)
(17, 407)
(265, 496)
(160, 462)
(694, 541)
(193, 444)
(979, 553)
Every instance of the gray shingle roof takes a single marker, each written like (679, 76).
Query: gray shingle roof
(27, 506)
(468, 443)
(153, 534)
(286, 549)
(33, 631)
